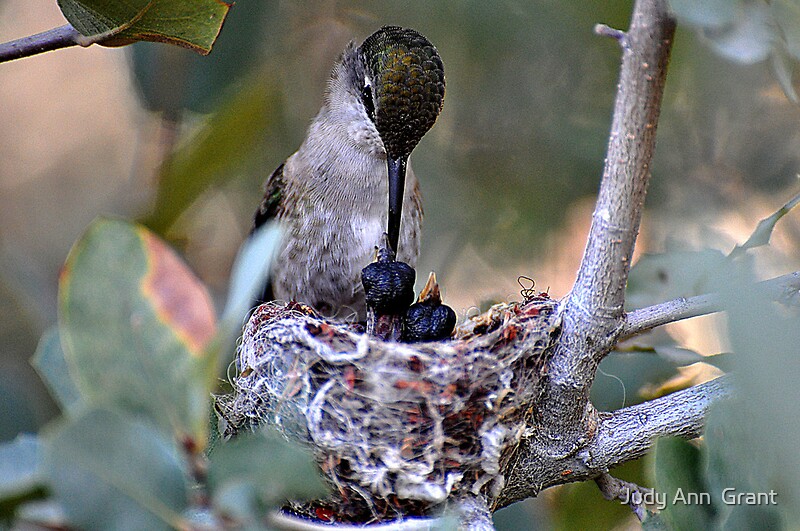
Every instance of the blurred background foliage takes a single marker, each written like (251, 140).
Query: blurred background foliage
(509, 172)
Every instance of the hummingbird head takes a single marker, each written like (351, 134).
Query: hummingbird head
(402, 93)
(403, 86)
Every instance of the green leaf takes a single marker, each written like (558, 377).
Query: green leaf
(748, 517)
(265, 464)
(193, 24)
(110, 472)
(214, 153)
(654, 522)
(94, 18)
(20, 472)
(622, 375)
(199, 84)
(763, 232)
(135, 323)
(51, 365)
(752, 438)
(679, 475)
(656, 278)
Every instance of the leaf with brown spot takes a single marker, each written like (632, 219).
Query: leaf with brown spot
(134, 322)
(169, 285)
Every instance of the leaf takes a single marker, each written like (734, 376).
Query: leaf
(679, 355)
(783, 69)
(20, 472)
(752, 439)
(248, 277)
(749, 38)
(763, 232)
(250, 271)
(786, 14)
(622, 375)
(654, 522)
(656, 278)
(193, 24)
(706, 14)
(274, 469)
(215, 152)
(135, 322)
(110, 472)
(200, 84)
(679, 474)
(93, 18)
(51, 365)
(748, 517)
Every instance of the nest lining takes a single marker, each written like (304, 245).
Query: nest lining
(395, 427)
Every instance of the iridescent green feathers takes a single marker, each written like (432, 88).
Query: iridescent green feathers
(407, 78)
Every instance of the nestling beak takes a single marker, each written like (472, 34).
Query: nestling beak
(397, 183)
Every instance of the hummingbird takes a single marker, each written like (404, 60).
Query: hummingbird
(351, 181)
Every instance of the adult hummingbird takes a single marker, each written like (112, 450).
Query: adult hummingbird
(350, 181)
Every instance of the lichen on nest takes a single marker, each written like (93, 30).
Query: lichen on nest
(396, 428)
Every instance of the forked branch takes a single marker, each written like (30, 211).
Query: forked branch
(593, 316)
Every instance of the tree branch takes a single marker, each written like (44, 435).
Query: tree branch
(616, 489)
(785, 288)
(593, 314)
(54, 39)
(619, 437)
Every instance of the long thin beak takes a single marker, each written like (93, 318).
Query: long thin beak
(397, 184)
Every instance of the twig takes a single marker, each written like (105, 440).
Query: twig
(61, 37)
(785, 288)
(630, 493)
(604, 30)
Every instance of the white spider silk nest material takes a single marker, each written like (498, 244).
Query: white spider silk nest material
(392, 424)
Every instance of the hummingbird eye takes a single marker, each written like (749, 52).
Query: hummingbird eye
(366, 98)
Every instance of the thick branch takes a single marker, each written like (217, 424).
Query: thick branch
(628, 433)
(61, 37)
(619, 437)
(785, 288)
(593, 314)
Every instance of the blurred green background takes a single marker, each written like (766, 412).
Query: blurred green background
(508, 173)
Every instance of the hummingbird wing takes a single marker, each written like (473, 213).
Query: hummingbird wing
(269, 209)
(271, 203)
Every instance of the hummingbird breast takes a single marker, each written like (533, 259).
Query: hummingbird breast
(335, 215)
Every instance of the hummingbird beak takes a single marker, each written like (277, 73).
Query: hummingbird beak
(397, 184)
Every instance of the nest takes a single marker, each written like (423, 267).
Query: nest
(396, 428)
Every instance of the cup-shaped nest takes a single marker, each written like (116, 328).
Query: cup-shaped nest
(396, 428)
